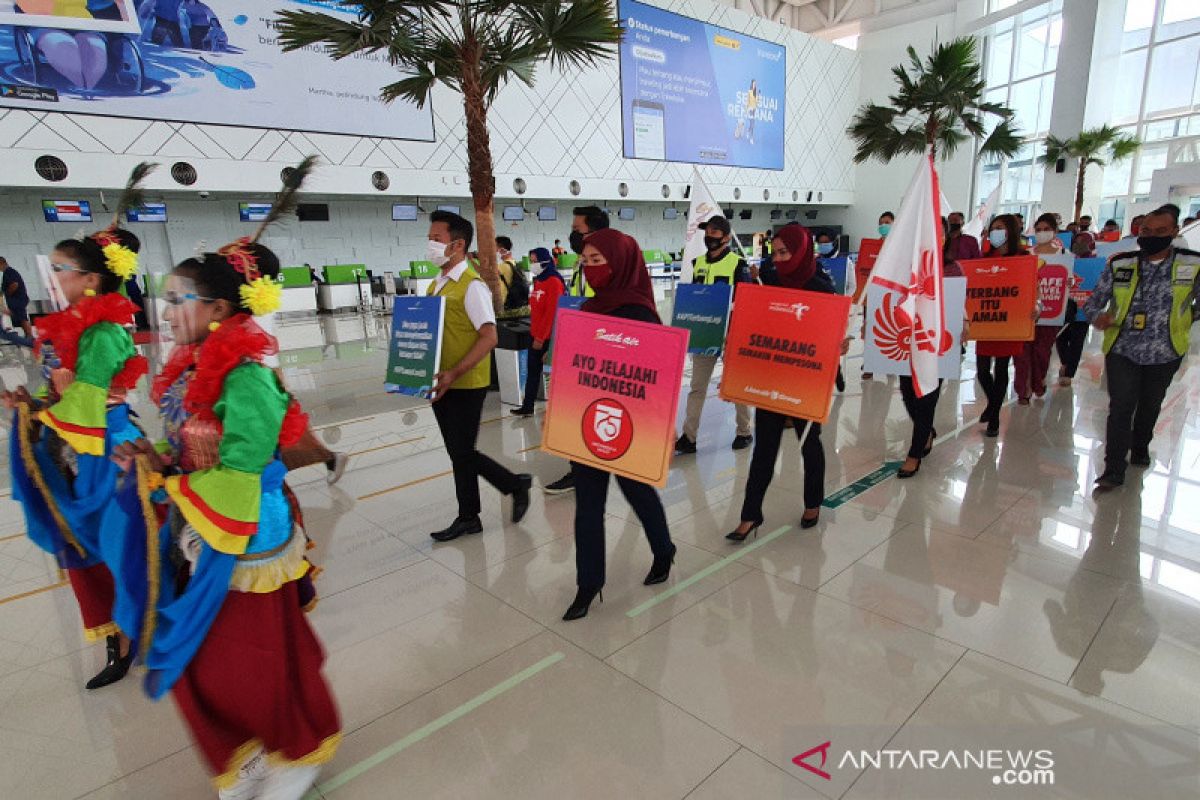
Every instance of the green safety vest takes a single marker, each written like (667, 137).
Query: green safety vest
(1185, 266)
(705, 271)
(579, 287)
(459, 334)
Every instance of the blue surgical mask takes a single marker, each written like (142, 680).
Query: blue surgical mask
(998, 238)
(825, 248)
(885, 229)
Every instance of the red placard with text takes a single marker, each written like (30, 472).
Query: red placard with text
(1001, 296)
(614, 394)
(783, 349)
(868, 253)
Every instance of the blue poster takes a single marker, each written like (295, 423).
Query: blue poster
(568, 302)
(1083, 282)
(415, 346)
(696, 93)
(703, 310)
(836, 269)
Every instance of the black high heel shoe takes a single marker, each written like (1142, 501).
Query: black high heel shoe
(929, 444)
(660, 570)
(734, 536)
(583, 599)
(116, 666)
(810, 523)
(908, 473)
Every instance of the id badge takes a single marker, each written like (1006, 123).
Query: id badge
(1137, 321)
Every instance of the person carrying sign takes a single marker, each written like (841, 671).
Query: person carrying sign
(718, 265)
(992, 358)
(1145, 303)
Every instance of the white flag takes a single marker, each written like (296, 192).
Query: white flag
(703, 208)
(974, 226)
(910, 266)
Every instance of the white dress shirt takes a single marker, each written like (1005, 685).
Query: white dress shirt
(478, 300)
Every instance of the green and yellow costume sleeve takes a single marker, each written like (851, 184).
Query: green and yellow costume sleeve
(222, 503)
(79, 417)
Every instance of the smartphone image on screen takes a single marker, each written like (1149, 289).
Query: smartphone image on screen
(649, 132)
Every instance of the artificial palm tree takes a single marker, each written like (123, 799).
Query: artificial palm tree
(938, 107)
(474, 47)
(1099, 146)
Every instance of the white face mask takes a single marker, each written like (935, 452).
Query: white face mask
(437, 253)
(1044, 237)
(535, 268)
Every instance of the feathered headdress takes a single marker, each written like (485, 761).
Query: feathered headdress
(261, 294)
(118, 258)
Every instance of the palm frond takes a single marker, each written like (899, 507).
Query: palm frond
(1004, 141)
(1122, 148)
(415, 88)
(288, 197)
(572, 35)
(134, 194)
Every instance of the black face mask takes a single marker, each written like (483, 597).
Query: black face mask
(713, 242)
(576, 242)
(955, 227)
(1151, 245)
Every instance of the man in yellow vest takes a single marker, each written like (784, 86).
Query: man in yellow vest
(1145, 302)
(719, 265)
(460, 388)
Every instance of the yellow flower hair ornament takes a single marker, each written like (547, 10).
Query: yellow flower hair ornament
(262, 296)
(120, 260)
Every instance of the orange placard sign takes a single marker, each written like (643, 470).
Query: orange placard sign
(1001, 296)
(783, 348)
(868, 253)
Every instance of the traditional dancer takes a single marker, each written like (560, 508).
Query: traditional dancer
(227, 581)
(60, 445)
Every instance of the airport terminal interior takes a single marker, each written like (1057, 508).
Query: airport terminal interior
(1008, 608)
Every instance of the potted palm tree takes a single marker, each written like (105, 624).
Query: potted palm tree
(1095, 146)
(474, 47)
(938, 106)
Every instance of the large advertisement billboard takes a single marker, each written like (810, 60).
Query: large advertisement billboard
(203, 61)
(697, 93)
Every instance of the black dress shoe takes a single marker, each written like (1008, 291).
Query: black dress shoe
(583, 599)
(522, 412)
(684, 445)
(460, 527)
(521, 497)
(660, 570)
(742, 442)
(116, 666)
(993, 428)
(1110, 480)
(1141, 458)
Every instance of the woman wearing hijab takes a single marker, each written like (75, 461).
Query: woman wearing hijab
(795, 268)
(991, 358)
(614, 268)
(548, 286)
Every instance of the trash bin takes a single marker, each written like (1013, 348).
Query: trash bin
(513, 339)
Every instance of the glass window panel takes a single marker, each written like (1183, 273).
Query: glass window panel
(1139, 17)
(1127, 93)
(1160, 130)
(1173, 69)
(1116, 178)
(1180, 18)
(1044, 107)
(1056, 27)
(1026, 102)
(1031, 49)
(1149, 159)
(999, 58)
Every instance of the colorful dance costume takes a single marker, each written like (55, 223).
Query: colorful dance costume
(61, 470)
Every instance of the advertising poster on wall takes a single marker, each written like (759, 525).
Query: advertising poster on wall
(1001, 296)
(697, 93)
(203, 61)
(415, 346)
(1054, 284)
(614, 393)
(783, 350)
(703, 311)
(1083, 282)
(887, 348)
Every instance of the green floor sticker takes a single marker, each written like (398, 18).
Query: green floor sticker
(853, 490)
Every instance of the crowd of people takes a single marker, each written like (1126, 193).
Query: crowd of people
(189, 555)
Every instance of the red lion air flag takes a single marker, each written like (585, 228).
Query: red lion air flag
(910, 267)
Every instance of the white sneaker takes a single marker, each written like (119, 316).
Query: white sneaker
(339, 466)
(249, 779)
(289, 783)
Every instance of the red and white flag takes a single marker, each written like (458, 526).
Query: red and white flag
(910, 266)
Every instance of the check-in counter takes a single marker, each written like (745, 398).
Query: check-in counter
(420, 275)
(346, 288)
(299, 294)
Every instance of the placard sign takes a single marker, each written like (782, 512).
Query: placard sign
(1083, 282)
(614, 393)
(836, 269)
(703, 311)
(1001, 296)
(1054, 283)
(415, 347)
(888, 346)
(783, 349)
(868, 252)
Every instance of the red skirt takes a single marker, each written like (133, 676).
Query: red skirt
(256, 682)
(95, 593)
(994, 349)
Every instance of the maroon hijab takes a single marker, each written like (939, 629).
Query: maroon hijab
(630, 284)
(798, 271)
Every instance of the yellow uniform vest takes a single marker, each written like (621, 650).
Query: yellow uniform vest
(459, 335)
(725, 268)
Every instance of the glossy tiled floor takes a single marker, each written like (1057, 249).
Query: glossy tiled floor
(989, 604)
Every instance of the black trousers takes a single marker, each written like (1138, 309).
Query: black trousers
(533, 376)
(591, 496)
(921, 411)
(992, 372)
(768, 434)
(1070, 346)
(458, 414)
(1135, 395)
